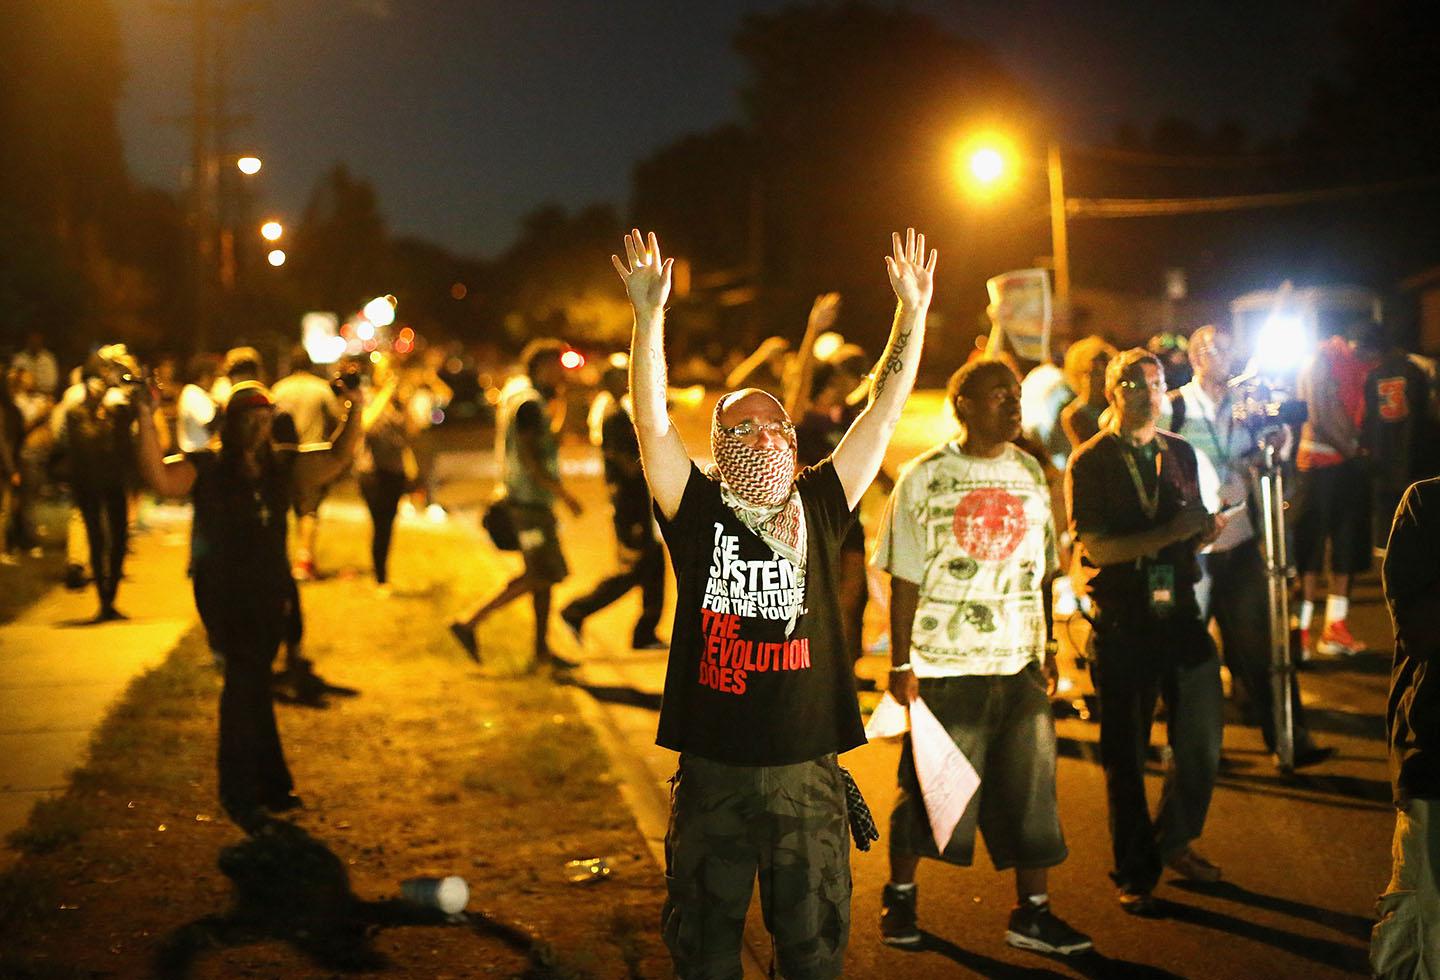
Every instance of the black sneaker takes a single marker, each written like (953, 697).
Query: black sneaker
(554, 661)
(1035, 927)
(1138, 902)
(1307, 755)
(572, 624)
(465, 636)
(897, 917)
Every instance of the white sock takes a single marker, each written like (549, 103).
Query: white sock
(908, 886)
(1306, 614)
(1336, 607)
(1039, 901)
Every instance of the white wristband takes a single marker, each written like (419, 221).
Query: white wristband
(904, 668)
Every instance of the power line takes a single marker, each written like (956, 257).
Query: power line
(1189, 161)
(1158, 207)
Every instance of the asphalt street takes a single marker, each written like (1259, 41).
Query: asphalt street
(1304, 856)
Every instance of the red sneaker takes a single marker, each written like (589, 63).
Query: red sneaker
(1337, 641)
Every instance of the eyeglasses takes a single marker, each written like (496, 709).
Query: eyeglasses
(750, 429)
(1157, 385)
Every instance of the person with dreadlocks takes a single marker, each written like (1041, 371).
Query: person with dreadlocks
(241, 574)
(759, 697)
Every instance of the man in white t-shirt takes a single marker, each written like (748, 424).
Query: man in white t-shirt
(969, 541)
(197, 409)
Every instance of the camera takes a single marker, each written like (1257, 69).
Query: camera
(1257, 407)
(346, 380)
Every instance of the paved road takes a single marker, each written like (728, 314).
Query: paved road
(1304, 857)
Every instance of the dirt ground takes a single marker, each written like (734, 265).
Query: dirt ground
(412, 762)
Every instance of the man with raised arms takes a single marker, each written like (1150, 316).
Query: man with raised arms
(759, 697)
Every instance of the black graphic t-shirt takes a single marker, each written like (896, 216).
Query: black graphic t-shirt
(239, 564)
(738, 690)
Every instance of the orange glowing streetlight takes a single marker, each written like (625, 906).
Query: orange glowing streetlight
(249, 166)
(990, 162)
(987, 161)
(276, 257)
(271, 231)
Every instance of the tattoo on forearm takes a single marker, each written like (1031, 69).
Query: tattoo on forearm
(892, 362)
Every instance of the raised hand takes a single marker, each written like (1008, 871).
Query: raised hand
(911, 276)
(824, 311)
(646, 276)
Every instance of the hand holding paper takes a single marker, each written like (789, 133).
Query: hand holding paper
(947, 779)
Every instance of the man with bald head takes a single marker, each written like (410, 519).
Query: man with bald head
(759, 697)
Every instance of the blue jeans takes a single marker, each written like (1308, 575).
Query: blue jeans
(1138, 659)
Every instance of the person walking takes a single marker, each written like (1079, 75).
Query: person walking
(385, 468)
(240, 570)
(759, 697)
(640, 553)
(528, 458)
(315, 408)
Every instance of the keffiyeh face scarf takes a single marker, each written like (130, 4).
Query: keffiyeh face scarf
(758, 484)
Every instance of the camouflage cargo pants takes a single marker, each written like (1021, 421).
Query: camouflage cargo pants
(730, 824)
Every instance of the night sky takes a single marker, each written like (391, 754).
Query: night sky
(466, 114)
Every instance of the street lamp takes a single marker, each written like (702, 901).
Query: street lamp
(987, 165)
(271, 231)
(991, 160)
(276, 257)
(987, 162)
(249, 166)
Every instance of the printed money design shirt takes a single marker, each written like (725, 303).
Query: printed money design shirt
(737, 688)
(977, 536)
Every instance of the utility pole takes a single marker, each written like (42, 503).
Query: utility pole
(1059, 241)
(210, 257)
(202, 178)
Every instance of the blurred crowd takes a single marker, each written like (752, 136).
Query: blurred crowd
(68, 439)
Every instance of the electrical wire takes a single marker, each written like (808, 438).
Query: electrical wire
(1082, 207)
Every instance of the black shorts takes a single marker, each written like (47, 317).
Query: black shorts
(540, 543)
(1003, 725)
(1332, 507)
(306, 503)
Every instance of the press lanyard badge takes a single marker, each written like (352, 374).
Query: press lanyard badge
(1161, 581)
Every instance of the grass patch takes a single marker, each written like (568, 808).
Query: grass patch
(428, 765)
(52, 825)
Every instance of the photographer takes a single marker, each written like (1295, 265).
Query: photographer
(243, 589)
(95, 438)
(1232, 587)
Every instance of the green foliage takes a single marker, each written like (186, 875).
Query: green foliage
(67, 265)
